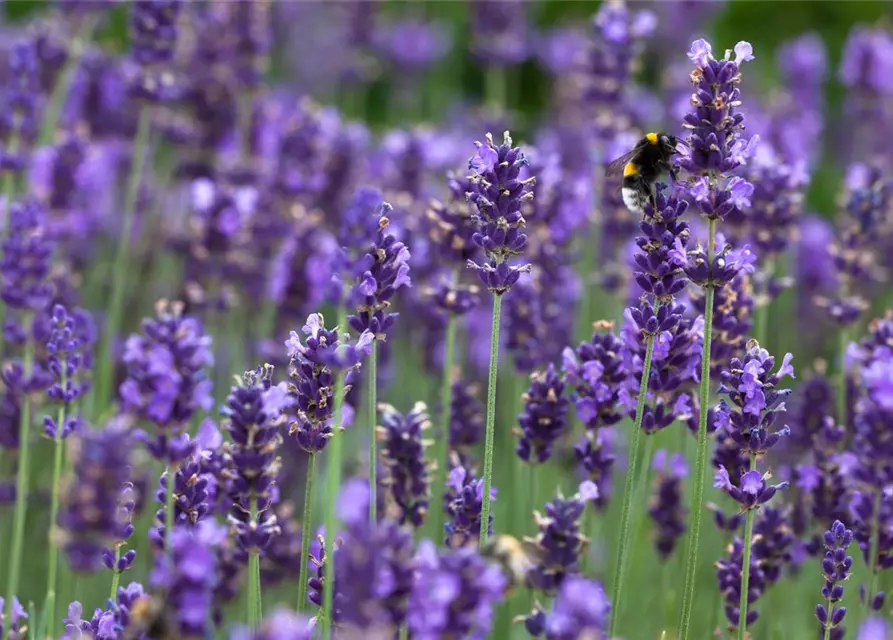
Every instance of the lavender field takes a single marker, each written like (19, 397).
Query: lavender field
(406, 320)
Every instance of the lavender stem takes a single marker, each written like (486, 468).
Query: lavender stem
(120, 272)
(745, 564)
(19, 515)
(306, 527)
(701, 460)
(53, 562)
(254, 610)
(373, 418)
(334, 484)
(116, 575)
(630, 488)
(491, 417)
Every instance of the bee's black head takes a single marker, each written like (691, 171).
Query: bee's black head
(667, 143)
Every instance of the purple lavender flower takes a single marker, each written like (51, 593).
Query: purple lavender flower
(90, 517)
(282, 624)
(715, 145)
(252, 40)
(659, 270)
(403, 454)
(865, 66)
(192, 497)
(753, 400)
(18, 628)
(544, 419)
(466, 418)
(666, 508)
(153, 34)
(560, 542)
(728, 263)
(499, 194)
(187, 576)
(25, 263)
(581, 610)
(373, 567)
(166, 382)
(453, 594)
(773, 542)
(595, 457)
(111, 557)
(282, 557)
(875, 628)
(386, 271)
(728, 575)
(595, 373)
(255, 412)
(101, 625)
(498, 32)
(312, 372)
(836, 569)
(754, 490)
(862, 514)
(67, 355)
(463, 502)
(21, 114)
(412, 46)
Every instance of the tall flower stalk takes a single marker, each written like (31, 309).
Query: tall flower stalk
(713, 150)
(65, 347)
(25, 289)
(659, 272)
(386, 270)
(336, 363)
(498, 193)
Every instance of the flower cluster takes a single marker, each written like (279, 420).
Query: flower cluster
(403, 454)
(153, 32)
(386, 270)
(466, 418)
(166, 381)
(312, 371)
(187, 576)
(68, 358)
(90, 518)
(254, 411)
(499, 193)
(560, 542)
(25, 264)
(595, 373)
(581, 610)
(20, 121)
(453, 594)
(463, 502)
(728, 575)
(544, 419)
(836, 567)
(666, 508)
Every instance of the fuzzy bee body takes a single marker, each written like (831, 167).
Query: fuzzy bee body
(641, 167)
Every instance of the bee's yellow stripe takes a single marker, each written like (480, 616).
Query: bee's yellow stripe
(651, 137)
(630, 169)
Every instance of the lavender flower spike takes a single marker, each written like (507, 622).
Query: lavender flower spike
(463, 502)
(499, 193)
(544, 419)
(836, 569)
(403, 453)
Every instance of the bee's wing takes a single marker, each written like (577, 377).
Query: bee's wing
(617, 165)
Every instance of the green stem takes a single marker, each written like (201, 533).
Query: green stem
(335, 448)
(491, 418)
(170, 481)
(841, 376)
(691, 564)
(630, 488)
(306, 527)
(119, 274)
(116, 575)
(66, 79)
(373, 417)
(254, 596)
(53, 564)
(20, 513)
(745, 565)
(828, 626)
(873, 551)
(442, 444)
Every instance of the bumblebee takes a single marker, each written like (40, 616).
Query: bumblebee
(515, 557)
(642, 167)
